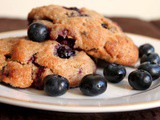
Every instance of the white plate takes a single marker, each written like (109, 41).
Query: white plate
(118, 97)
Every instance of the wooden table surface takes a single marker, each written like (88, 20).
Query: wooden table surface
(132, 25)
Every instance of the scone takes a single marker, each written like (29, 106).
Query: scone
(24, 63)
(91, 32)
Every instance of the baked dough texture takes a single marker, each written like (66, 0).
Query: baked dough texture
(25, 63)
(93, 33)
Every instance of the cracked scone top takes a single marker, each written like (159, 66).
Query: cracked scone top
(92, 32)
(24, 63)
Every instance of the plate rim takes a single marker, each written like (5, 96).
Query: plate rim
(80, 109)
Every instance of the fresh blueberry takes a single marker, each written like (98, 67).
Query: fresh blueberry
(55, 85)
(38, 32)
(140, 80)
(151, 57)
(114, 73)
(65, 52)
(93, 84)
(153, 69)
(145, 49)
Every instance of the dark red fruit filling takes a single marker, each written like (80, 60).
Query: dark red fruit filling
(40, 71)
(38, 82)
(32, 59)
(77, 10)
(65, 52)
(5, 73)
(66, 41)
(80, 71)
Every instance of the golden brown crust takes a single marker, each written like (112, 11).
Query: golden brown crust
(17, 75)
(95, 34)
(26, 63)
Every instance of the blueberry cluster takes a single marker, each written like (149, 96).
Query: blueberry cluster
(94, 84)
(149, 69)
(38, 32)
(140, 79)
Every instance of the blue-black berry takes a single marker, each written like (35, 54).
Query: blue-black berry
(114, 73)
(65, 52)
(55, 85)
(153, 69)
(145, 49)
(140, 80)
(151, 57)
(93, 84)
(38, 32)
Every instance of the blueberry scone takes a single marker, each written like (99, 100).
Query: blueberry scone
(25, 63)
(89, 31)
